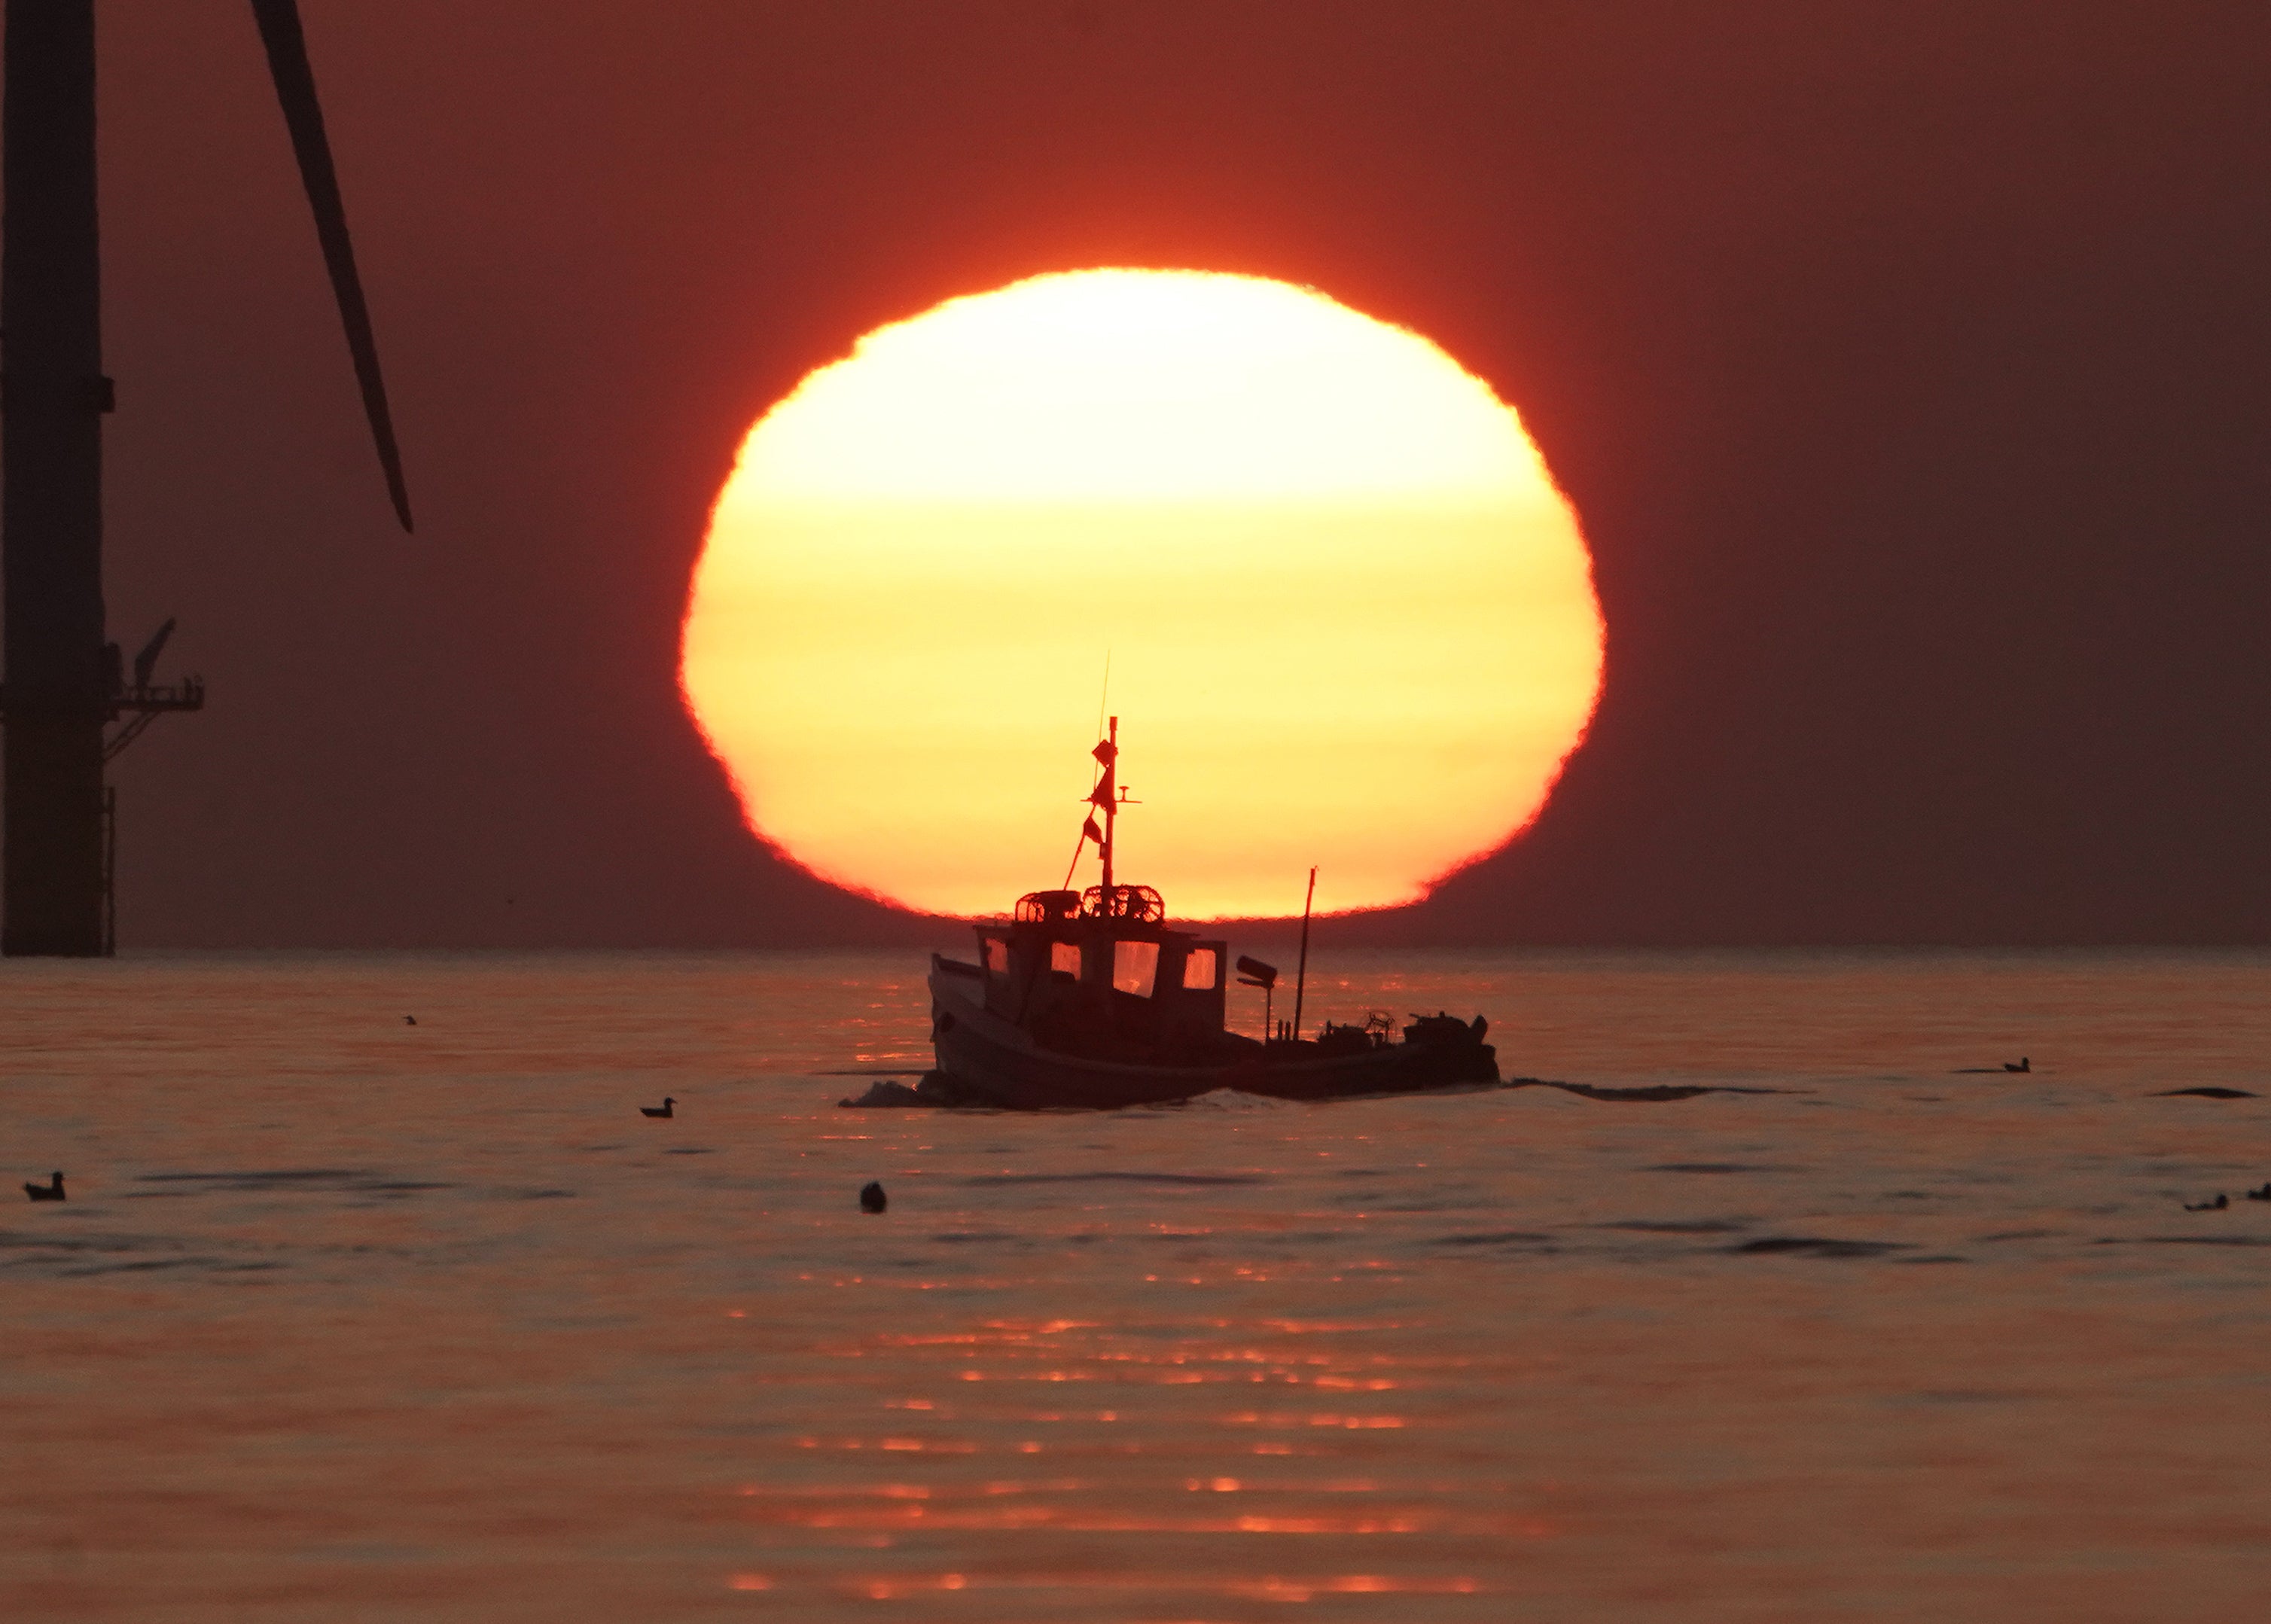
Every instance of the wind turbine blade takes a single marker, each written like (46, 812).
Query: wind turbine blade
(303, 115)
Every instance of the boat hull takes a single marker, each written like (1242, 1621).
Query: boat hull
(986, 1060)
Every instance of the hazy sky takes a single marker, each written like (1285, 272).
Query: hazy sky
(1907, 362)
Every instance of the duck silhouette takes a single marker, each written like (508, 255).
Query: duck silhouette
(872, 1198)
(2025, 1065)
(2262, 1194)
(47, 1192)
(2220, 1202)
(664, 1109)
(410, 1020)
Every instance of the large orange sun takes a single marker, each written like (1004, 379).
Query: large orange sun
(1350, 622)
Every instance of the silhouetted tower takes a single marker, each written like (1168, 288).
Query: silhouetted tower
(63, 680)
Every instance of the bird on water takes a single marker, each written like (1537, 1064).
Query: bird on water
(2024, 1064)
(2220, 1202)
(872, 1198)
(2262, 1194)
(664, 1109)
(46, 1192)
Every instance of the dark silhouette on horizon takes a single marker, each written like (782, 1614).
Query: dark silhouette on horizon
(64, 683)
(53, 1191)
(1086, 1000)
(664, 1109)
(872, 1198)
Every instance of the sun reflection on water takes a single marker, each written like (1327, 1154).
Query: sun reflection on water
(1486, 1346)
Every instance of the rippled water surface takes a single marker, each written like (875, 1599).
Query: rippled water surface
(348, 1317)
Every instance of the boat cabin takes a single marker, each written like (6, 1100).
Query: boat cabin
(1098, 973)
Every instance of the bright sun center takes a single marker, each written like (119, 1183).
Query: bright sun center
(1350, 622)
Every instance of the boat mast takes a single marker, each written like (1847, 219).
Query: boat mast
(1108, 795)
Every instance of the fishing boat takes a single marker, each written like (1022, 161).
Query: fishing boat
(1089, 1000)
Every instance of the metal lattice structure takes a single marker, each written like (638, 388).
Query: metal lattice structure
(64, 683)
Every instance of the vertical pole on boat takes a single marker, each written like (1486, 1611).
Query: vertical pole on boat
(1108, 794)
(1301, 975)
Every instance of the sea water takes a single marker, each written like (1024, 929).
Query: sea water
(376, 1298)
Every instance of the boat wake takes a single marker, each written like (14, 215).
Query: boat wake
(938, 1092)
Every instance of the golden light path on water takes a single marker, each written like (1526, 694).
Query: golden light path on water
(351, 1319)
(1350, 622)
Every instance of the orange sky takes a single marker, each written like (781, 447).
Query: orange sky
(1349, 620)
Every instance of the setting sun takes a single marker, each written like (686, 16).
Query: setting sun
(1349, 620)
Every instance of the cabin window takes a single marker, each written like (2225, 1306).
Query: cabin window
(1198, 969)
(1065, 956)
(997, 955)
(1134, 967)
